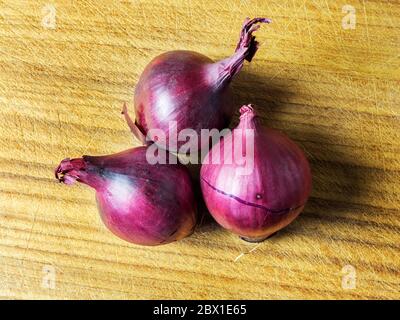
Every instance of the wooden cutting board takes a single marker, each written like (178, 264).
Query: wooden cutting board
(326, 74)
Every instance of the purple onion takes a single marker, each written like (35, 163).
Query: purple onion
(267, 198)
(143, 203)
(184, 89)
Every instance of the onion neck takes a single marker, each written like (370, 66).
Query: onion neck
(248, 117)
(71, 170)
(246, 48)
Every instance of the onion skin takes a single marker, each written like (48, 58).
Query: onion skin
(257, 205)
(141, 203)
(190, 89)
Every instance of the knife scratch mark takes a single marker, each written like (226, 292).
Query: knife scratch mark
(366, 25)
(243, 253)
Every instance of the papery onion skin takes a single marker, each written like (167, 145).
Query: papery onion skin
(139, 202)
(190, 89)
(256, 206)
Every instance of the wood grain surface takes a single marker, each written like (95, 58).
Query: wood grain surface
(334, 90)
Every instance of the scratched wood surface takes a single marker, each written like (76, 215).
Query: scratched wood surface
(334, 90)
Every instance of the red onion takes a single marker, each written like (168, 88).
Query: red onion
(187, 90)
(257, 203)
(142, 203)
